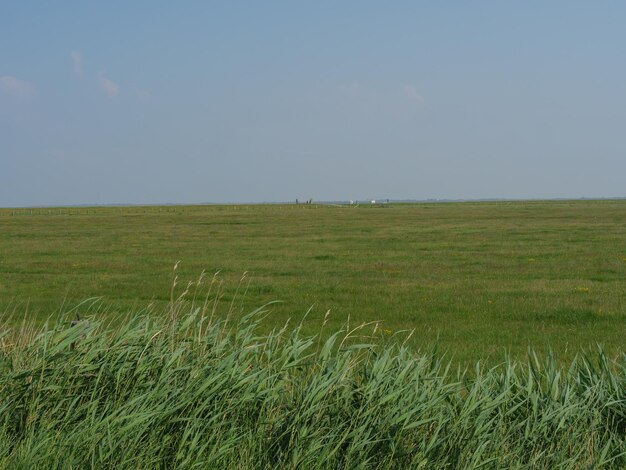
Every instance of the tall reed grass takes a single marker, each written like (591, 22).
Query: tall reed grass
(194, 389)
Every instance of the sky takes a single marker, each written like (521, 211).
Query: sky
(188, 102)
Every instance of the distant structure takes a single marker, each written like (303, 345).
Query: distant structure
(373, 201)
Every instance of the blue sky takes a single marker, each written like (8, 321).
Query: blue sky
(154, 102)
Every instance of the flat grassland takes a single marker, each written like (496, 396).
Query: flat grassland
(480, 278)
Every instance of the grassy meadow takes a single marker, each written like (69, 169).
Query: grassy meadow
(481, 279)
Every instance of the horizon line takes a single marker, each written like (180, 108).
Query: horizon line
(320, 202)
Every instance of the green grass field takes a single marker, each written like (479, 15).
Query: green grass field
(483, 278)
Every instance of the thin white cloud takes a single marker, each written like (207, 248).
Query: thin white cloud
(411, 93)
(16, 87)
(77, 62)
(143, 96)
(353, 87)
(109, 87)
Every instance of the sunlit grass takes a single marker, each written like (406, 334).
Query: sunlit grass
(198, 384)
(482, 279)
